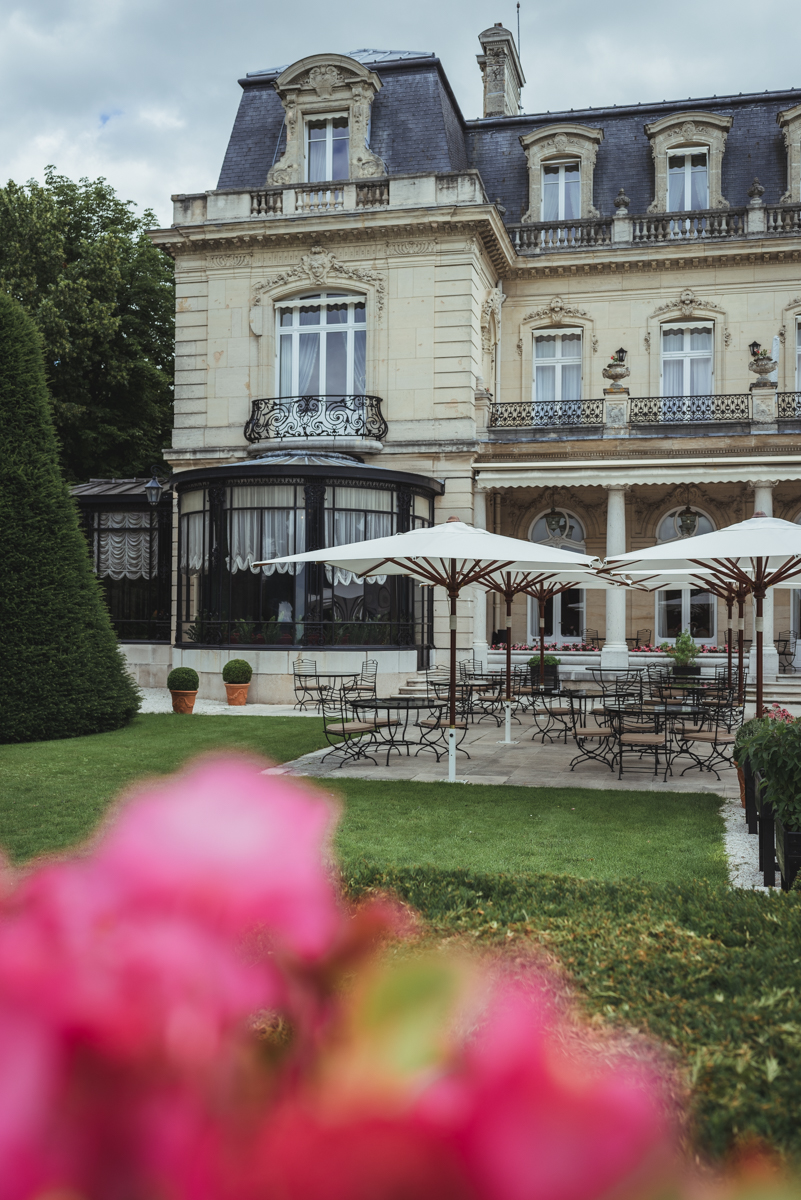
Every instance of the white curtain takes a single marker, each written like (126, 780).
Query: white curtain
(309, 364)
(123, 546)
(673, 377)
(257, 534)
(345, 527)
(194, 559)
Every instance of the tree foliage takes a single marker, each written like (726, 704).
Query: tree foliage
(78, 259)
(63, 672)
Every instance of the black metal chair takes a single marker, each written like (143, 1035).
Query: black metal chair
(595, 742)
(308, 690)
(350, 738)
(786, 642)
(639, 733)
(365, 685)
(641, 638)
(710, 742)
(591, 637)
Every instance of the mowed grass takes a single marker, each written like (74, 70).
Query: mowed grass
(671, 837)
(52, 794)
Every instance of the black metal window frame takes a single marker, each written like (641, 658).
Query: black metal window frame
(212, 619)
(134, 629)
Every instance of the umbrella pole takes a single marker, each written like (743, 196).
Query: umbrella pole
(542, 642)
(759, 680)
(740, 627)
(507, 704)
(452, 715)
(729, 606)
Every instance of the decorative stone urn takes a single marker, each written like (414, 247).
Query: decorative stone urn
(615, 371)
(763, 367)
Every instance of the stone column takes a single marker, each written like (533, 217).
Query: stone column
(763, 502)
(615, 653)
(480, 644)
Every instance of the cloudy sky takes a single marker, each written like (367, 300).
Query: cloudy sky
(145, 92)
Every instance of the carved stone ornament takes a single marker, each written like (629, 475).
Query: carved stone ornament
(326, 85)
(421, 246)
(703, 130)
(490, 312)
(315, 267)
(229, 260)
(621, 202)
(646, 343)
(555, 311)
(790, 121)
(561, 141)
(686, 304)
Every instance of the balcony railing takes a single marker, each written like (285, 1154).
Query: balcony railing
(544, 236)
(688, 410)
(789, 404)
(316, 416)
(546, 414)
(319, 198)
(783, 218)
(707, 225)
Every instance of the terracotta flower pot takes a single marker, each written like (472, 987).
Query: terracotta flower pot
(237, 693)
(183, 702)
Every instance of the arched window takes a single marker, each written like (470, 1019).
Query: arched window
(685, 607)
(564, 614)
(321, 343)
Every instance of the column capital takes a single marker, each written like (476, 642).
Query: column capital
(761, 483)
(618, 487)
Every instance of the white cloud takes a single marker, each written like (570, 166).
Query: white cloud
(145, 92)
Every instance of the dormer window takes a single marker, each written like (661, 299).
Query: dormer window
(561, 191)
(688, 180)
(327, 149)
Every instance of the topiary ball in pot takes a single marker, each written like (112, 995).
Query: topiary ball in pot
(183, 683)
(236, 676)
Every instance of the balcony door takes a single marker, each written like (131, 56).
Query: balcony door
(688, 180)
(561, 191)
(321, 342)
(687, 372)
(564, 614)
(557, 377)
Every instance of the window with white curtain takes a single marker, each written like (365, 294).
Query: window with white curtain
(126, 546)
(687, 359)
(322, 344)
(557, 366)
(561, 191)
(327, 155)
(688, 183)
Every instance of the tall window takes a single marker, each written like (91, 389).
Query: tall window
(687, 360)
(557, 366)
(687, 607)
(561, 191)
(797, 356)
(564, 614)
(688, 184)
(327, 154)
(322, 345)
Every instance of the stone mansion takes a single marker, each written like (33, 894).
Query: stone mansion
(387, 314)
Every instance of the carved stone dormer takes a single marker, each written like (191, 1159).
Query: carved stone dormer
(561, 143)
(790, 121)
(707, 131)
(321, 86)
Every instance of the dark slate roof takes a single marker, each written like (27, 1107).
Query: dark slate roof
(417, 127)
(114, 489)
(416, 124)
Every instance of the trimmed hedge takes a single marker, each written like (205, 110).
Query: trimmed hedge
(238, 670)
(711, 971)
(63, 673)
(183, 679)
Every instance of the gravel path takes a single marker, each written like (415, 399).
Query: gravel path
(158, 700)
(741, 848)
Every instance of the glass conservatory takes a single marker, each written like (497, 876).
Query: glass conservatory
(286, 502)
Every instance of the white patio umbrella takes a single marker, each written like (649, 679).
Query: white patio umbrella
(754, 555)
(540, 586)
(452, 555)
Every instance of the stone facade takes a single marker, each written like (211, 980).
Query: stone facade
(432, 230)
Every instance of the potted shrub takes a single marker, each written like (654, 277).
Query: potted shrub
(236, 676)
(684, 653)
(551, 671)
(183, 684)
(775, 754)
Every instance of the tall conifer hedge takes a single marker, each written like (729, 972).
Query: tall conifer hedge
(61, 671)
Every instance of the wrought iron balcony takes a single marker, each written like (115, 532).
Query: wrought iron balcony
(546, 414)
(316, 416)
(689, 410)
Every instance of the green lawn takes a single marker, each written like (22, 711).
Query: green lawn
(53, 793)
(672, 837)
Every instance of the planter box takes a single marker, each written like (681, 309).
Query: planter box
(551, 677)
(750, 796)
(788, 853)
(688, 670)
(767, 833)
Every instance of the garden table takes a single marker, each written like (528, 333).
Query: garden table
(395, 733)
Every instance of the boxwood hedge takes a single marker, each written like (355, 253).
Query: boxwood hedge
(711, 971)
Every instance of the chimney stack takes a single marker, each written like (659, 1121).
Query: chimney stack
(503, 74)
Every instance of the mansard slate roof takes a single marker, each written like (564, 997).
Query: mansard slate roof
(417, 126)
